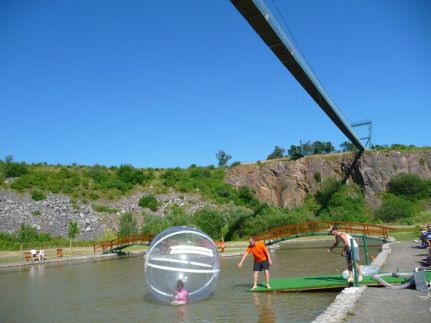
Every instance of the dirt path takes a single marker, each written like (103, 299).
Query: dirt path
(388, 305)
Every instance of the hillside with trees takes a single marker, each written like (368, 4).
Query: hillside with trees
(50, 203)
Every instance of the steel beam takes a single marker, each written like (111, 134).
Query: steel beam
(266, 26)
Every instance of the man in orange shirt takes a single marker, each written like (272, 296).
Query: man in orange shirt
(262, 260)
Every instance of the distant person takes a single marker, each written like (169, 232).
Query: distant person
(33, 254)
(262, 260)
(425, 237)
(181, 295)
(346, 251)
(42, 254)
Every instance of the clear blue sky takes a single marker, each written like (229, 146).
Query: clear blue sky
(169, 83)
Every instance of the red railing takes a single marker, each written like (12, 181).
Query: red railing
(137, 239)
(115, 243)
(272, 234)
(323, 227)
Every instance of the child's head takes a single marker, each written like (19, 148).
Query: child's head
(180, 284)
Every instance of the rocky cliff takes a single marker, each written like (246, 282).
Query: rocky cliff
(285, 183)
(53, 214)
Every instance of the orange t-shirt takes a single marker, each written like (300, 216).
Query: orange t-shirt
(259, 251)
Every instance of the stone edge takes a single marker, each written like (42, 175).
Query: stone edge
(345, 302)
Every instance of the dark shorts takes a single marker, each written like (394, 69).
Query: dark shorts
(261, 265)
(349, 254)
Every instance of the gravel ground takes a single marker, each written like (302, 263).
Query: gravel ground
(381, 305)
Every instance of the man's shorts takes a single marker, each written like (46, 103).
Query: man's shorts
(261, 265)
(349, 254)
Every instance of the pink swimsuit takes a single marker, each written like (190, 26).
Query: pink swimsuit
(181, 295)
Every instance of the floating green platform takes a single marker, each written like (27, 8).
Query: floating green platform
(325, 282)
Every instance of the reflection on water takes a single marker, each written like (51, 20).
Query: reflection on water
(264, 310)
(111, 291)
(182, 313)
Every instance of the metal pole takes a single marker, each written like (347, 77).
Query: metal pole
(355, 272)
(365, 241)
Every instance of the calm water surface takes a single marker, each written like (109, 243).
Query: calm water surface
(115, 291)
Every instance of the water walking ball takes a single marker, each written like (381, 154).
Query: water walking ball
(182, 253)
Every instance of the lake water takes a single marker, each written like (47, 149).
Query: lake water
(115, 291)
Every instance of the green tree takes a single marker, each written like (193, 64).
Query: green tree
(27, 234)
(222, 158)
(211, 221)
(12, 169)
(129, 174)
(348, 146)
(177, 216)
(321, 147)
(278, 152)
(127, 225)
(295, 152)
(72, 232)
(379, 147)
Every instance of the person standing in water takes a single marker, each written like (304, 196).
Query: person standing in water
(346, 251)
(262, 260)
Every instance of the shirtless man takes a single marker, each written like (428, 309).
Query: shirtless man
(346, 251)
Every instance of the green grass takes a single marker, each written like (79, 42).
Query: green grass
(405, 235)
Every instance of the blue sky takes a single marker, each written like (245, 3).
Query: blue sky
(170, 83)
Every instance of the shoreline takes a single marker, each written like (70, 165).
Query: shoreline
(237, 249)
(346, 300)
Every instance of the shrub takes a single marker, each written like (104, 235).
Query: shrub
(409, 185)
(176, 216)
(149, 201)
(38, 195)
(346, 204)
(211, 222)
(154, 224)
(264, 218)
(395, 209)
(129, 174)
(329, 187)
(246, 195)
(104, 209)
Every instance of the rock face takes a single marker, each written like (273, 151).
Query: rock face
(285, 183)
(282, 183)
(53, 214)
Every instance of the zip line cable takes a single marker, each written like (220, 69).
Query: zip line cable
(129, 84)
(303, 57)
